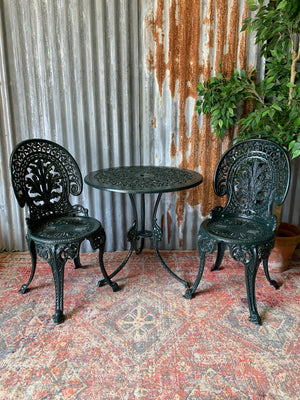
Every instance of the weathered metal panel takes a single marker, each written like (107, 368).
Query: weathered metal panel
(114, 81)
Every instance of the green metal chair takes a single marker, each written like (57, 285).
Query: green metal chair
(43, 176)
(253, 174)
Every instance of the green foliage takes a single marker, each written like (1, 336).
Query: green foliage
(275, 100)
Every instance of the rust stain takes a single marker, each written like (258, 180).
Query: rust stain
(153, 122)
(185, 64)
(221, 35)
(158, 36)
(169, 225)
(149, 24)
(173, 149)
(194, 159)
(162, 218)
(207, 20)
(230, 58)
(150, 61)
(183, 55)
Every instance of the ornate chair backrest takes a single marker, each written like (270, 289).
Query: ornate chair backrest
(43, 176)
(254, 174)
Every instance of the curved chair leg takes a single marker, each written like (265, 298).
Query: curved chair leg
(32, 250)
(189, 292)
(266, 269)
(77, 262)
(220, 255)
(251, 267)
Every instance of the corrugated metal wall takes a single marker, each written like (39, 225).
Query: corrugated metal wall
(114, 81)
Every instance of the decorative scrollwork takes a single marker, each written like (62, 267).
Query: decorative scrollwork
(264, 250)
(242, 253)
(69, 251)
(98, 239)
(57, 251)
(206, 244)
(157, 231)
(43, 175)
(44, 251)
(216, 212)
(132, 235)
(254, 174)
(78, 209)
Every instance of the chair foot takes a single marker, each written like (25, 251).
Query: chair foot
(188, 294)
(58, 317)
(23, 289)
(255, 318)
(275, 284)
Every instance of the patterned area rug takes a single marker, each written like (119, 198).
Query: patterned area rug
(146, 341)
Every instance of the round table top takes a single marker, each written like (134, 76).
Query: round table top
(143, 179)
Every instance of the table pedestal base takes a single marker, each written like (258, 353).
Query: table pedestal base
(134, 235)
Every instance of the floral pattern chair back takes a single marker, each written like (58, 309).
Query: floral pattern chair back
(43, 176)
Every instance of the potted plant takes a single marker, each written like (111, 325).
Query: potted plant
(273, 102)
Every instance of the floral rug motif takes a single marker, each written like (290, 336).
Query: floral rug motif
(147, 342)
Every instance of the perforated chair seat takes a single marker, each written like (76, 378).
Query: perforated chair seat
(65, 229)
(235, 229)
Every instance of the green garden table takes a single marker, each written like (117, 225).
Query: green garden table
(141, 180)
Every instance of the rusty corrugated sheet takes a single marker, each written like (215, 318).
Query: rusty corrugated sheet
(115, 83)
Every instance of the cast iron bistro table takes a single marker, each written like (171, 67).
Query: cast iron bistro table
(141, 180)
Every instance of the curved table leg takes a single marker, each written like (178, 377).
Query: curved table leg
(140, 249)
(132, 238)
(157, 234)
(189, 292)
(103, 282)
